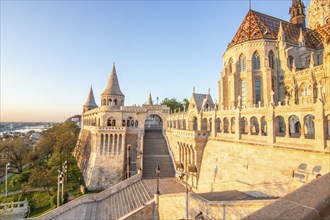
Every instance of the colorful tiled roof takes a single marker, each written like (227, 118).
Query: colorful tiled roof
(260, 26)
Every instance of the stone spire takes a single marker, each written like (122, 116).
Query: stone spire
(150, 99)
(297, 13)
(90, 101)
(112, 95)
(113, 84)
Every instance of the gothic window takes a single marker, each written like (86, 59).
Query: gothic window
(230, 65)
(257, 90)
(242, 63)
(130, 122)
(243, 92)
(124, 123)
(256, 61)
(271, 59)
(291, 60)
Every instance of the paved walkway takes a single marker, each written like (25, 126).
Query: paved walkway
(20, 191)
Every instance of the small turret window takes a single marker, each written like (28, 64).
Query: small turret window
(111, 122)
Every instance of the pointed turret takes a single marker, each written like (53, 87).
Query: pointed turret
(112, 95)
(90, 101)
(113, 84)
(297, 13)
(150, 99)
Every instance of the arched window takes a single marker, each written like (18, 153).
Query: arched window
(317, 25)
(111, 122)
(242, 63)
(271, 59)
(290, 60)
(136, 123)
(256, 61)
(327, 21)
(230, 65)
(257, 90)
(124, 123)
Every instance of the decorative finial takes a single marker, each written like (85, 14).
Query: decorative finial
(193, 89)
(249, 5)
(209, 91)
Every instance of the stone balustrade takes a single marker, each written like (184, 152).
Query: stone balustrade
(15, 210)
(88, 198)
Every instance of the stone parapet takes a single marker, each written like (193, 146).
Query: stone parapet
(311, 201)
(90, 198)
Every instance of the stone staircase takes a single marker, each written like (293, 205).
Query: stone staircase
(155, 152)
(115, 206)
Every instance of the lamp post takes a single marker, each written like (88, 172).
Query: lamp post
(158, 173)
(64, 170)
(59, 176)
(7, 166)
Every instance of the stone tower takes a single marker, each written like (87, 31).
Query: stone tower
(90, 102)
(318, 13)
(112, 95)
(297, 13)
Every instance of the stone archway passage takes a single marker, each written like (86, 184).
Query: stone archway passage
(153, 122)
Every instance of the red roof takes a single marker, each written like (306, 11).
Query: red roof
(260, 26)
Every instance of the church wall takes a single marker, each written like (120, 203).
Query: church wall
(229, 165)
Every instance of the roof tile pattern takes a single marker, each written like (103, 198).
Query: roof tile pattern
(260, 26)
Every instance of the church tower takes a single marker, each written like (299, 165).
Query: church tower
(90, 102)
(112, 95)
(318, 13)
(297, 13)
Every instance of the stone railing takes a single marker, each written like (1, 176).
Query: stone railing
(88, 198)
(16, 210)
(105, 128)
(144, 212)
(312, 201)
(190, 134)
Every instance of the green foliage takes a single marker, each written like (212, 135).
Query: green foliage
(24, 177)
(16, 152)
(175, 104)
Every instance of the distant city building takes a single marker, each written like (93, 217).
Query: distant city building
(76, 119)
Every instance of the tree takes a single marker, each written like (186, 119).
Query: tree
(15, 152)
(175, 104)
(42, 177)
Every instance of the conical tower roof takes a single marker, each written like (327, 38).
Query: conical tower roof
(150, 99)
(113, 84)
(90, 101)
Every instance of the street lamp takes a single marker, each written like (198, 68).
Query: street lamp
(7, 167)
(158, 173)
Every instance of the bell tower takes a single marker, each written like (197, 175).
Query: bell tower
(318, 13)
(297, 14)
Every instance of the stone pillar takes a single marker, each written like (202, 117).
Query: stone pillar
(320, 136)
(237, 124)
(271, 136)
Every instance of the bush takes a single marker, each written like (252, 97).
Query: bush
(24, 177)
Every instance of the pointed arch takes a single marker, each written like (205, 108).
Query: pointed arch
(271, 59)
(242, 63)
(256, 61)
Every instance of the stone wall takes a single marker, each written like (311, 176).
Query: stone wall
(147, 212)
(235, 165)
(311, 201)
(173, 206)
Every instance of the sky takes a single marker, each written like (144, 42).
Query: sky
(53, 51)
